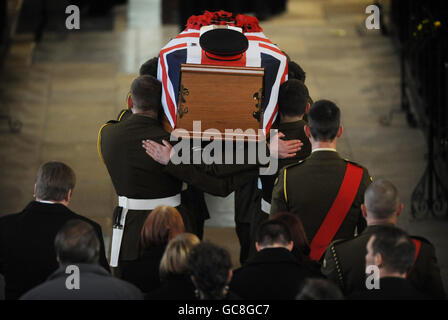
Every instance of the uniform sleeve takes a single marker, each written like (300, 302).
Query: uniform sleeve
(279, 202)
(195, 175)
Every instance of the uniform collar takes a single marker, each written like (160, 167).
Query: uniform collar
(323, 149)
(46, 201)
(140, 117)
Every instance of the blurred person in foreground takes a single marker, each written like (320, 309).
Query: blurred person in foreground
(79, 277)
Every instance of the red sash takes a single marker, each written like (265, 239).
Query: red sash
(418, 245)
(338, 211)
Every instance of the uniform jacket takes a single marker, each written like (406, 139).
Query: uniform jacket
(309, 188)
(273, 273)
(94, 284)
(27, 253)
(344, 264)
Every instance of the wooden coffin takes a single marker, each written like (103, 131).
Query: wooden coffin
(221, 97)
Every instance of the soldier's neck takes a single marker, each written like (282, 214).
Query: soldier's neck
(322, 144)
(286, 119)
(380, 222)
(149, 114)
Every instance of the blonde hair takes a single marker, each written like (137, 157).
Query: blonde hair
(175, 257)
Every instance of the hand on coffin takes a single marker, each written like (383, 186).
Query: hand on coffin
(160, 153)
(282, 149)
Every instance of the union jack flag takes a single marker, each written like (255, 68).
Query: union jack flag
(185, 48)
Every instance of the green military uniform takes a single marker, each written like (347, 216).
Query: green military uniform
(135, 175)
(344, 264)
(309, 188)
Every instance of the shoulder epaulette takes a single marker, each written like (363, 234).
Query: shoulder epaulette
(285, 170)
(421, 239)
(294, 164)
(355, 163)
(358, 165)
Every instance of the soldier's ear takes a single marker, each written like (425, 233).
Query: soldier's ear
(379, 260)
(69, 195)
(307, 109)
(364, 210)
(257, 246)
(306, 128)
(340, 130)
(290, 246)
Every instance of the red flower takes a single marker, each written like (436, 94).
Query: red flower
(248, 23)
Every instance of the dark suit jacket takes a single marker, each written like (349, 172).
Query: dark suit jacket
(311, 188)
(390, 289)
(27, 254)
(174, 287)
(144, 272)
(95, 284)
(344, 264)
(273, 273)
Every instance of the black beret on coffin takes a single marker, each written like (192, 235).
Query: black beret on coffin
(223, 42)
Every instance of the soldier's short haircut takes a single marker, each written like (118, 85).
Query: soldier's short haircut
(381, 199)
(54, 180)
(272, 232)
(324, 120)
(146, 93)
(296, 72)
(149, 68)
(293, 98)
(395, 247)
(77, 242)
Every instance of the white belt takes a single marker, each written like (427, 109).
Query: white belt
(134, 204)
(148, 204)
(265, 206)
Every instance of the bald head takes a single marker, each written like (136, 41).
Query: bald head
(381, 200)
